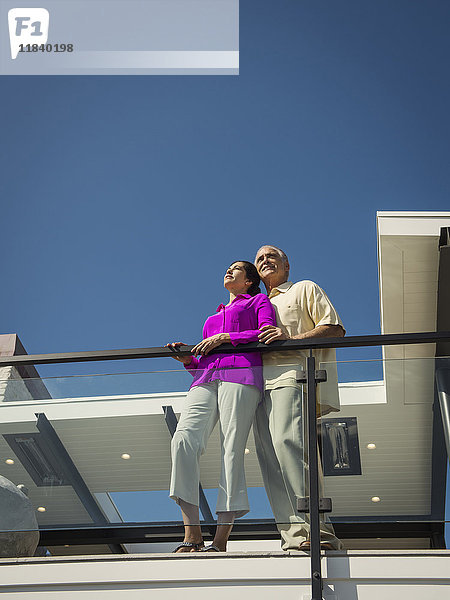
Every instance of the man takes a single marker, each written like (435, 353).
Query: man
(303, 311)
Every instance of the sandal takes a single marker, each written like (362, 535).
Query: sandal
(306, 546)
(210, 548)
(198, 547)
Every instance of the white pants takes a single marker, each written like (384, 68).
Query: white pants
(233, 405)
(283, 460)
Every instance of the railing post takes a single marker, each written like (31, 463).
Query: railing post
(314, 517)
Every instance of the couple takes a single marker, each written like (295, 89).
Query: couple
(236, 391)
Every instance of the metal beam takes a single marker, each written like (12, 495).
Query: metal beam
(131, 533)
(441, 408)
(442, 324)
(71, 474)
(279, 346)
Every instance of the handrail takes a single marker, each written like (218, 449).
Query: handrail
(390, 339)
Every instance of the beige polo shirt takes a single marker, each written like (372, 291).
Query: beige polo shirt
(301, 307)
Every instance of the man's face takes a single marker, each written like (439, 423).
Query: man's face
(271, 266)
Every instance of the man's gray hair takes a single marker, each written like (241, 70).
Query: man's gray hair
(282, 254)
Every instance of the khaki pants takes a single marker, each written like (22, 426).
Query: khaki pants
(278, 430)
(233, 405)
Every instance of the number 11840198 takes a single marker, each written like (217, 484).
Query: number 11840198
(45, 47)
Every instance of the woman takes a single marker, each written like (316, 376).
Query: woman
(226, 388)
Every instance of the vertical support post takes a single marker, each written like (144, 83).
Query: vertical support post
(443, 324)
(441, 407)
(314, 517)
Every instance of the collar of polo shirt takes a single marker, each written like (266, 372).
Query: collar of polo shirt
(280, 289)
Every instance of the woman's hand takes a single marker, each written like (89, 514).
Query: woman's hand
(209, 343)
(186, 360)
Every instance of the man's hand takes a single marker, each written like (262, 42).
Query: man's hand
(270, 333)
(186, 360)
(209, 343)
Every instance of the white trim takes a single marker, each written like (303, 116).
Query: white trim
(412, 223)
(412, 213)
(104, 406)
(261, 575)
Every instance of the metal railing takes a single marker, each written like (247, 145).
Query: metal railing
(284, 345)
(311, 378)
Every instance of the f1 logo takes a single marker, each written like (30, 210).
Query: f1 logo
(27, 26)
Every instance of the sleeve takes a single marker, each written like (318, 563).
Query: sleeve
(265, 314)
(192, 365)
(320, 308)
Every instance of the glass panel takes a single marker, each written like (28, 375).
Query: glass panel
(94, 450)
(14, 388)
(383, 457)
(384, 453)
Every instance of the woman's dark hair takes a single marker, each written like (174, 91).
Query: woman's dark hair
(252, 275)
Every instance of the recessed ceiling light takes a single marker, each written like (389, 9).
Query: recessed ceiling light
(246, 451)
(371, 446)
(9, 461)
(126, 456)
(376, 499)
(41, 509)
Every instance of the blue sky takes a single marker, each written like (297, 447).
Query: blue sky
(125, 198)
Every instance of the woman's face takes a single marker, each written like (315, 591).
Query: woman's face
(235, 280)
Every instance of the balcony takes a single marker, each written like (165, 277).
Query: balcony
(92, 452)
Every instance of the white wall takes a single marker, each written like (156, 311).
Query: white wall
(262, 576)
